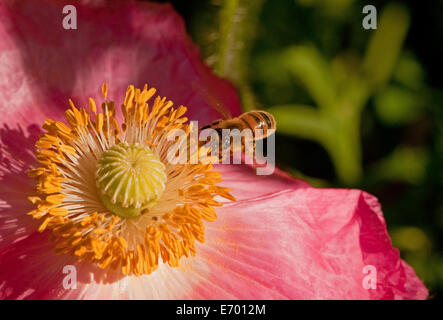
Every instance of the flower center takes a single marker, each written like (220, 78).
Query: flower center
(108, 192)
(130, 179)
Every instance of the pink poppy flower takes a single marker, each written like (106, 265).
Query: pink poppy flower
(280, 239)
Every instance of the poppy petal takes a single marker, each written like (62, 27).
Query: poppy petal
(246, 184)
(303, 244)
(122, 43)
(29, 269)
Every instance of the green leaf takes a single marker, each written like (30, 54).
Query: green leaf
(309, 66)
(300, 120)
(406, 164)
(395, 105)
(385, 44)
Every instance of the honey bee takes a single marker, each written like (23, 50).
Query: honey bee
(258, 125)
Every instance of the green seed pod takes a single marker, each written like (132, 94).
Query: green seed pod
(130, 179)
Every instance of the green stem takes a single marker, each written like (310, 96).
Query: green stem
(344, 146)
(237, 27)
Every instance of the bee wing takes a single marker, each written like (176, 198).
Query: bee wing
(213, 101)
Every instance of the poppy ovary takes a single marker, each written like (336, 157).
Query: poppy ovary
(130, 179)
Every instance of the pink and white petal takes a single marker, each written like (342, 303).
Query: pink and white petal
(246, 184)
(301, 244)
(29, 269)
(295, 244)
(16, 156)
(122, 43)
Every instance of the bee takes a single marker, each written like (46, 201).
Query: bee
(258, 125)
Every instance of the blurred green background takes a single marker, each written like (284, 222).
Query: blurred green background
(355, 108)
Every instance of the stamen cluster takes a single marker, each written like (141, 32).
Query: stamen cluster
(71, 184)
